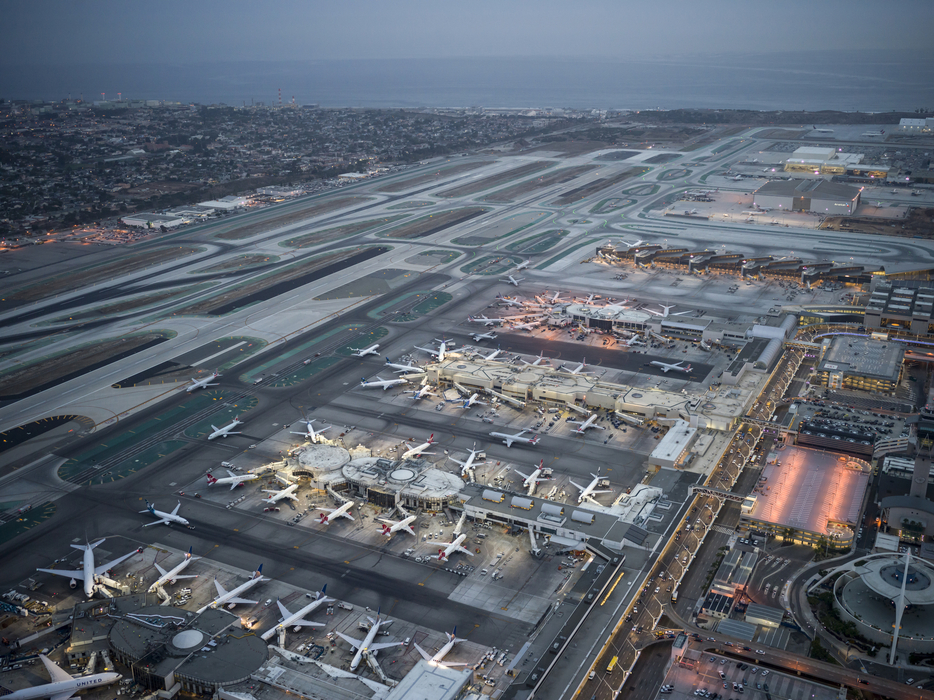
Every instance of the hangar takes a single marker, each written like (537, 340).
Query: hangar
(819, 196)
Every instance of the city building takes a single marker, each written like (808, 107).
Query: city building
(717, 606)
(809, 496)
(911, 518)
(764, 615)
(734, 572)
(821, 196)
(901, 308)
(673, 448)
(860, 363)
(916, 126)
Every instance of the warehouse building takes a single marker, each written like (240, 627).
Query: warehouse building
(833, 198)
(152, 220)
(821, 161)
(916, 126)
(861, 363)
(673, 448)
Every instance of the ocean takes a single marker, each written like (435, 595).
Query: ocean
(848, 81)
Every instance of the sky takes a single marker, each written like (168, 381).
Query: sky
(69, 32)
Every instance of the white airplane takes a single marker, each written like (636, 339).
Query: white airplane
(473, 399)
(393, 526)
(634, 340)
(630, 245)
(62, 685)
(382, 383)
(589, 423)
(525, 326)
(664, 313)
(469, 464)
(449, 548)
(437, 354)
(512, 301)
(518, 437)
(665, 367)
(202, 383)
(422, 392)
(234, 480)
(366, 351)
(586, 492)
(438, 658)
(512, 280)
(232, 597)
(287, 492)
(289, 619)
(366, 645)
(556, 299)
(310, 433)
(589, 301)
(539, 360)
(419, 450)
(486, 321)
(532, 480)
(492, 356)
(172, 575)
(342, 511)
(477, 337)
(226, 430)
(523, 265)
(397, 368)
(164, 518)
(89, 572)
(579, 369)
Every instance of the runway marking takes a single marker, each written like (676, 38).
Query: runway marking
(217, 354)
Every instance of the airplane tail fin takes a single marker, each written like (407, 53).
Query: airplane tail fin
(386, 529)
(188, 556)
(431, 439)
(211, 479)
(259, 571)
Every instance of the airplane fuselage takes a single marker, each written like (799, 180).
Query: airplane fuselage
(64, 688)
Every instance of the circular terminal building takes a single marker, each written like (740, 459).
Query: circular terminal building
(868, 592)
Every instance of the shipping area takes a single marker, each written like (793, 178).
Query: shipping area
(528, 422)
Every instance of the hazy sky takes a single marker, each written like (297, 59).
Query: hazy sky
(185, 31)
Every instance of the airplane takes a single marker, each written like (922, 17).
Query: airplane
(289, 619)
(525, 326)
(579, 369)
(630, 245)
(383, 383)
(310, 433)
(422, 392)
(363, 352)
(342, 511)
(556, 299)
(532, 480)
(634, 340)
(762, 208)
(589, 300)
(523, 265)
(485, 321)
(518, 437)
(541, 358)
(512, 280)
(514, 301)
(234, 480)
(477, 337)
(394, 526)
(419, 450)
(664, 313)
(366, 645)
(62, 685)
(231, 598)
(89, 572)
(439, 353)
(665, 367)
(164, 518)
(438, 658)
(473, 399)
(226, 430)
(397, 368)
(172, 575)
(468, 465)
(449, 548)
(589, 490)
(287, 492)
(492, 356)
(202, 383)
(589, 423)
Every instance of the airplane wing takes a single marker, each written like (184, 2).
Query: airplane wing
(581, 488)
(425, 654)
(63, 572)
(175, 578)
(220, 589)
(284, 611)
(508, 442)
(355, 643)
(384, 645)
(410, 531)
(109, 565)
(306, 623)
(241, 601)
(63, 696)
(161, 570)
(592, 493)
(175, 511)
(453, 663)
(163, 521)
(56, 673)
